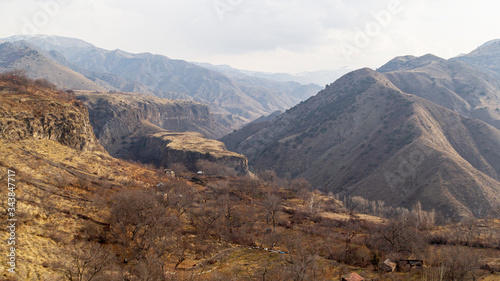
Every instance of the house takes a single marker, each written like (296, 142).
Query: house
(352, 277)
(389, 266)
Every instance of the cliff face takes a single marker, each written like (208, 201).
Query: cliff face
(118, 115)
(159, 131)
(164, 149)
(29, 111)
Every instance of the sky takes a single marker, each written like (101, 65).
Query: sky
(265, 35)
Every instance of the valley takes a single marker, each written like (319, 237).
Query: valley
(141, 167)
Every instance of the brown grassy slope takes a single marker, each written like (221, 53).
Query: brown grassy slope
(58, 189)
(363, 136)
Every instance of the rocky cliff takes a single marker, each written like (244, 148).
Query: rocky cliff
(29, 110)
(118, 115)
(158, 131)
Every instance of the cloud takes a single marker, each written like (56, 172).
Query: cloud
(271, 35)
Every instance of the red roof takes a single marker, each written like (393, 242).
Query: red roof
(353, 277)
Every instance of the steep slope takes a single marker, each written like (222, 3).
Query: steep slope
(449, 83)
(159, 131)
(176, 78)
(21, 56)
(363, 136)
(28, 111)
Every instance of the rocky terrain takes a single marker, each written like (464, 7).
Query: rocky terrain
(35, 112)
(82, 214)
(158, 131)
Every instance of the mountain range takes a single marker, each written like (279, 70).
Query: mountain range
(245, 99)
(419, 129)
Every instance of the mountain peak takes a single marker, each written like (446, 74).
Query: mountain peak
(494, 42)
(409, 62)
(43, 40)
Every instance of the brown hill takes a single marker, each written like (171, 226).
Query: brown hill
(486, 57)
(363, 136)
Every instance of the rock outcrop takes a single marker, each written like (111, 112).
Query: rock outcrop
(30, 111)
(158, 131)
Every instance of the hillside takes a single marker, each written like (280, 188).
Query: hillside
(363, 136)
(82, 214)
(486, 57)
(29, 110)
(171, 78)
(21, 56)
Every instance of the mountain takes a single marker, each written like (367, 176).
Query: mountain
(171, 78)
(450, 83)
(17, 56)
(362, 135)
(158, 131)
(321, 77)
(486, 57)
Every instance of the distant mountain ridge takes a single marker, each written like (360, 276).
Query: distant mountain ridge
(321, 77)
(246, 99)
(15, 56)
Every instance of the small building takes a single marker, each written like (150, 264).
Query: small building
(200, 173)
(389, 266)
(353, 277)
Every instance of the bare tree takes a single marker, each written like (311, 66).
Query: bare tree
(179, 196)
(459, 262)
(301, 260)
(351, 229)
(85, 261)
(272, 204)
(399, 235)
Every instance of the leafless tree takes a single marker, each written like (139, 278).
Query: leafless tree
(85, 261)
(301, 260)
(272, 204)
(399, 235)
(459, 262)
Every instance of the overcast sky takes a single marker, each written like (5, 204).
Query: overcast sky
(265, 35)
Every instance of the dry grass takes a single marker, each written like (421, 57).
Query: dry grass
(191, 141)
(51, 213)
